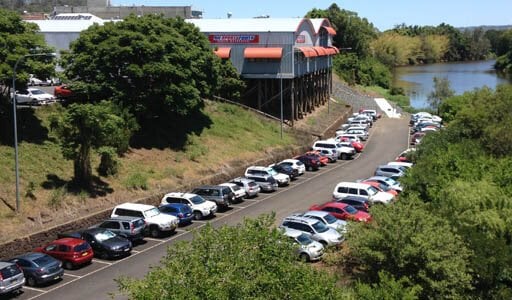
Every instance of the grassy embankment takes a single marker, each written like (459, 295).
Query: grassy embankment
(46, 198)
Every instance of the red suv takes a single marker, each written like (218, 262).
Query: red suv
(62, 91)
(72, 252)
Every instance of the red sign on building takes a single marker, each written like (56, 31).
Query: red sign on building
(301, 39)
(234, 38)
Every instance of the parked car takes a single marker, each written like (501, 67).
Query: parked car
(156, 222)
(371, 112)
(416, 138)
(311, 163)
(267, 183)
(405, 164)
(33, 96)
(201, 208)
(405, 155)
(360, 133)
(315, 229)
(342, 211)
(251, 187)
(62, 92)
(131, 228)
(354, 142)
(367, 191)
(390, 171)
(285, 169)
(359, 203)
(239, 192)
(11, 278)
(180, 210)
(222, 195)
(343, 151)
(33, 80)
(282, 179)
(39, 268)
(308, 249)
(328, 219)
(104, 243)
(381, 187)
(72, 252)
(388, 181)
(294, 163)
(322, 159)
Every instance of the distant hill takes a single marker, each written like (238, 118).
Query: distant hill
(486, 27)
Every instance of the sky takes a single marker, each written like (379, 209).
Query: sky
(384, 14)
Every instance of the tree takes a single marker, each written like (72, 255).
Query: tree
(159, 68)
(86, 127)
(249, 261)
(441, 91)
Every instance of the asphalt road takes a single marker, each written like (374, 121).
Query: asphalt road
(388, 138)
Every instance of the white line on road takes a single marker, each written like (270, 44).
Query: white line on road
(33, 289)
(72, 275)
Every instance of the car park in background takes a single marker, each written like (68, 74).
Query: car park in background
(72, 252)
(39, 268)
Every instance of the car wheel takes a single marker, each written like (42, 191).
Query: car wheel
(104, 255)
(198, 215)
(31, 281)
(304, 257)
(324, 243)
(344, 156)
(309, 168)
(154, 232)
(68, 265)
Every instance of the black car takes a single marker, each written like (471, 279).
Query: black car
(286, 169)
(311, 163)
(104, 242)
(359, 203)
(39, 268)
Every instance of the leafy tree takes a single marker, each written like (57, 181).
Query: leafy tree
(159, 68)
(86, 127)
(249, 261)
(441, 91)
(479, 44)
(419, 248)
(387, 288)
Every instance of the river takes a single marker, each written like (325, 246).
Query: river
(417, 81)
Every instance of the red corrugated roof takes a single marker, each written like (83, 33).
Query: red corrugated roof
(222, 52)
(272, 53)
(308, 51)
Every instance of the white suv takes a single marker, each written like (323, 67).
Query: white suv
(157, 223)
(239, 192)
(202, 208)
(344, 189)
(282, 179)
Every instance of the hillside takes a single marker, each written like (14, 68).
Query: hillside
(233, 138)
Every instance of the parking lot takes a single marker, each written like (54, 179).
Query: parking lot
(96, 281)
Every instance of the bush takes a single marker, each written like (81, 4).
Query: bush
(109, 165)
(137, 181)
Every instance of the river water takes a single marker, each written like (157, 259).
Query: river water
(417, 81)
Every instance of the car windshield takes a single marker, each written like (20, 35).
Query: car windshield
(272, 171)
(151, 212)
(372, 191)
(299, 163)
(104, 235)
(330, 219)
(43, 260)
(37, 92)
(320, 227)
(303, 239)
(390, 181)
(351, 210)
(197, 199)
(384, 187)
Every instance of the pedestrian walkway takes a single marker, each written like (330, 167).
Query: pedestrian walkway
(389, 110)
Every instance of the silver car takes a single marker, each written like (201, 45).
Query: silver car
(251, 187)
(328, 219)
(11, 278)
(390, 171)
(308, 250)
(315, 229)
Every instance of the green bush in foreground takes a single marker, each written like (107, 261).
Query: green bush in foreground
(248, 261)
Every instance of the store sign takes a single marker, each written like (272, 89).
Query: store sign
(301, 39)
(234, 38)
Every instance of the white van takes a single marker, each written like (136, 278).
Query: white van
(344, 189)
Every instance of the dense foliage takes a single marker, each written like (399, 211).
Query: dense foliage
(249, 261)
(502, 44)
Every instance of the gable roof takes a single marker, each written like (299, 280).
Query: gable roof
(250, 25)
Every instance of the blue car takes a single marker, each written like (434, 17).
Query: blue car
(39, 268)
(182, 211)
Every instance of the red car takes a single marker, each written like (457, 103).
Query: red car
(358, 146)
(72, 252)
(343, 211)
(62, 91)
(381, 187)
(323, 160)
(311, 163)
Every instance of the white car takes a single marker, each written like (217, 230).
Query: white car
(282, 179)
(344, 189)
(296, 164)
(157, 223)
(33, 96)
(408, 165)
(239, 192)
(200, 207)
(328, 219)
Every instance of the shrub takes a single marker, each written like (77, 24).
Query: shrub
(109, 165)
(137, 181)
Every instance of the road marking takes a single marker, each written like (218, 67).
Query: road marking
(199, 222)
(153, 239)
(101, 261)
(237, 206)
(135, 251)
(72, 275)
(180, 230)
(33, 289)
(251, 200)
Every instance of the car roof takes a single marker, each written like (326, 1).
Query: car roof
(69, 241)
(318, 213)
(301, 219)
(180, 195)
(242, 179)
(292, 232)
(352, 184)
(290, 160)
(123, 218)
(354, 198)
(136, 206)
(176, 205)
(4, 264)
(230, 184)
(30, 255)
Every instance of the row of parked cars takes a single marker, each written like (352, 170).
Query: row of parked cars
(130, 223)
(423, 123)
(323, 225)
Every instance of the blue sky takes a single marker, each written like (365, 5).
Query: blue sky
(384, 14)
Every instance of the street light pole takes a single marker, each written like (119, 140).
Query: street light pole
(16, 168)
